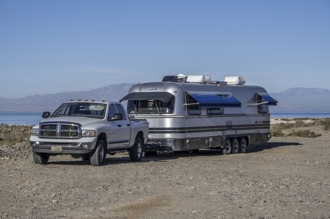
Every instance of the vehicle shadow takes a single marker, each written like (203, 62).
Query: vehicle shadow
(164, 156)
(270, 145)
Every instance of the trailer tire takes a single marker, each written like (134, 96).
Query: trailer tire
(228, 147)
(136, 152)
(40, 158)
(242, 145)
(235, 145)
(98, 156)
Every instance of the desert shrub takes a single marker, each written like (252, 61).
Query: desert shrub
(285, 125)
(326, 124)
(276, 133)
(304, 133)
(14, 134)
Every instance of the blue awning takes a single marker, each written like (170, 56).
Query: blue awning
(268, 99)
(214, 100)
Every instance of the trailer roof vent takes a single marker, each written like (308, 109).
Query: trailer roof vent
(200, 79)
(170, 78)
(235, 80)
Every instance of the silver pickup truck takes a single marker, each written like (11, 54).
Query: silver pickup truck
(88, 130)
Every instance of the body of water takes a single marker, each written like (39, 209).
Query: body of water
(300, 115)
(34, 118)
(20, 118)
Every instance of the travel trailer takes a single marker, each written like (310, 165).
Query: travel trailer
(187, 113)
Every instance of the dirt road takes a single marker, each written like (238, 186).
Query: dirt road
(285, 178)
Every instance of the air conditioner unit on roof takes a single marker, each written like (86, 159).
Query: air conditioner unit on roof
(201, 79)
(235, 80)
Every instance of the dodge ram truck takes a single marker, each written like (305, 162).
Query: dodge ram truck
(89, 130)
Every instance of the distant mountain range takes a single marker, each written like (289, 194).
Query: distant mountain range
(302, 100)
(292, 100)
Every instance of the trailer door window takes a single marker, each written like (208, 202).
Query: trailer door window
(150, 107)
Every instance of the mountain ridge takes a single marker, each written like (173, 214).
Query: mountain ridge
(295, 99)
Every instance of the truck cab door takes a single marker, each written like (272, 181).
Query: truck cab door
(125, 128)
(113, 129)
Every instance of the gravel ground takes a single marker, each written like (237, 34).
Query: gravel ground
(285, 178)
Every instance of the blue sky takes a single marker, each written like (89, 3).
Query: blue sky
(75, 45)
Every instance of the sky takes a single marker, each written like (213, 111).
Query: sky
(58, 46)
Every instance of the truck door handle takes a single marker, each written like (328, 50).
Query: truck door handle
(119, 125)
(128, 124)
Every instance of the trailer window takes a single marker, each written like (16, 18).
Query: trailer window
(262, 108)
(150, 107)
(192, 106)
(215, 111)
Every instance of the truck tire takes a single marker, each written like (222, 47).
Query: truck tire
(136, 152)
(75, 156)
(235, 145)
(150, 153)
(228, 147)
(242, 145)
(98, 156)
(85, 157)
(40, 158)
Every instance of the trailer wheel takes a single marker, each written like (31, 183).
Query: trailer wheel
(136, 152)
(40, 158)
(98, 156)
(228, 147)
(235, 145)
(242, 145)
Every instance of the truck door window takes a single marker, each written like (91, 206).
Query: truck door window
(121, 110)
(112, 110)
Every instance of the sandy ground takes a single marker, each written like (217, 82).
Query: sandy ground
(285, 178)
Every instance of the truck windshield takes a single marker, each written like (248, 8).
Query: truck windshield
(150, 107)
(94, 110)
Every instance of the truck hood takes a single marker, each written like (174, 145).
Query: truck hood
(84, 121)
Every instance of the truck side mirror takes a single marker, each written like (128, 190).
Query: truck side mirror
(116, 116)
(45, 115)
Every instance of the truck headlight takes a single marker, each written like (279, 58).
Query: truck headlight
(35, 132)
(88, 133)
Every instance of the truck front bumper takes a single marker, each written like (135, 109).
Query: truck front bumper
(55, 146)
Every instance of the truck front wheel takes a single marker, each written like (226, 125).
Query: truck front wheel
(136, 152)
(98, 156)
(40, 158)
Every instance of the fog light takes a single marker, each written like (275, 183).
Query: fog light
(85, 146)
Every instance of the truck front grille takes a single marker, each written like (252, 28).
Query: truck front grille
(59, 130)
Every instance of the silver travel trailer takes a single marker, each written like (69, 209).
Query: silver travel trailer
(187, 113)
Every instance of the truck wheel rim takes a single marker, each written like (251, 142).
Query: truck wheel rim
(101, 153)
(139, 150)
